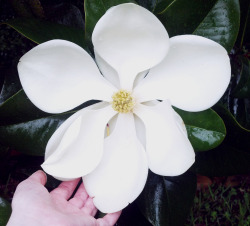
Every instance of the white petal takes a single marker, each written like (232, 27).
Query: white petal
(122, 173)
(131, 39)
(140, 77)
(140, 131)
(140, 127)
(59, 75)
(76, 147)
(194, 75)
(107, 71)
(168, 148)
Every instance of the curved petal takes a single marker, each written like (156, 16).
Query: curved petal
(168, 148)
(77, 147)
(107, 71)
(130, 45)
(194, 75)
(121, 175)
(59, 75)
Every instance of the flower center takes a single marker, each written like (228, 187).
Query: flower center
(123, 102)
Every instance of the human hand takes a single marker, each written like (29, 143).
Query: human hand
(33, 205)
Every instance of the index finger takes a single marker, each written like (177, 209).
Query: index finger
(39, 176)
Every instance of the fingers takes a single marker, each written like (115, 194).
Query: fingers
(65, 189)
(30, 190)
(39, 176)
(89, 207)
(80, 197)
(109, 219)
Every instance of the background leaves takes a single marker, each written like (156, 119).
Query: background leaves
(167, 200)
(206, 130)
(5, 211)
(221, 23)
(41, 31)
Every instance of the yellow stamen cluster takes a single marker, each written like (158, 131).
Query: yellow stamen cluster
(123, 102)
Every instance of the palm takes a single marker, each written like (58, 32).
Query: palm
(56, 208)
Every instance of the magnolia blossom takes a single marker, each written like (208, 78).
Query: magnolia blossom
(137, 74)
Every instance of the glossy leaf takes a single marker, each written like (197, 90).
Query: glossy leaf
(31, 137)
(149, 4)
(239, 108)
(183, 17)
(166, 201)
(222, 23)
(132, 216)
(40, 31)
(232, 156)
(5, 211)
(161, 5)
(242, 90)
(216, 20)
(66, 14)
(244, 32)
(9, 84)
(18, 108)
(94, 10)
(206, 130)
(237, 136)
(26, 128)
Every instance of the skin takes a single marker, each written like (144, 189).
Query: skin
(33, 205)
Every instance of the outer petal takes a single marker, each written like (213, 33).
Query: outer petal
(76, 148)
(131, 39)
(168, 148)
(59, 75)
(122, 173)
(194, 75)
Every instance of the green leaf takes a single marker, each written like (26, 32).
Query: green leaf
(242, 90)
(94, 10)
(232, 156)
(238, 107)
(66, 14)
(183, 17)
(222, 23)
(9, 85)
(5, 211)
(166, 201)
(206, 130)
(244, 32)
(18, 108)
(26, 128)
(214, 19)
(148, 4)
(132, 216)
(32, 136)
(237, 136)
(162, 5)
(222, 161)
(40, 31)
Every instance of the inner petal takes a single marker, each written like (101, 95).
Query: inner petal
(131, 39)
(122, 172)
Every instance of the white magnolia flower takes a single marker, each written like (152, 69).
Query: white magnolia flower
(138, 64)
